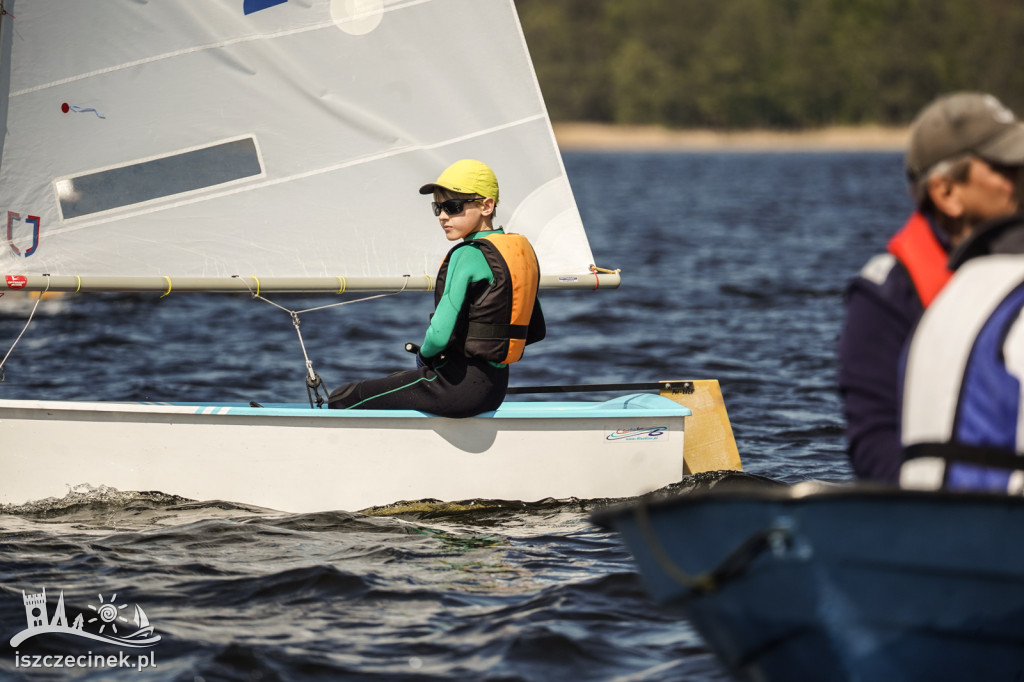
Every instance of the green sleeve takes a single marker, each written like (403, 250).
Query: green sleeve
(467, 265)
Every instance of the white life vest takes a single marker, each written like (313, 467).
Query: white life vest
(943, 367)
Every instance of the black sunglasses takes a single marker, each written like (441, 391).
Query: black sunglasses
(451, 206)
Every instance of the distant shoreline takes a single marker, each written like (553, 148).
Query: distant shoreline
(604, 137)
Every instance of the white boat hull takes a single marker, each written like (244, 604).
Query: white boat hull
(296, 459)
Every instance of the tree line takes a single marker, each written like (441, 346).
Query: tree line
(784, 64)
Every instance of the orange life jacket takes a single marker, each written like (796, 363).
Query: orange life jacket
(498, 316)
(924, 257)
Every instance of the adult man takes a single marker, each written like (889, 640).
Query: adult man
(960, 160)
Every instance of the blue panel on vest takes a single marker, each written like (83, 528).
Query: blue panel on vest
(251, 6)
(989, 402)
(975, 477)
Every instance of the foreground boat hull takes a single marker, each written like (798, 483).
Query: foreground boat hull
(809, 583)
(297, 459)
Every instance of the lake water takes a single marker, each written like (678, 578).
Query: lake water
(733, 269)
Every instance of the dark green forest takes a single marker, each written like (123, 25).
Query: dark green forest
(782, 64)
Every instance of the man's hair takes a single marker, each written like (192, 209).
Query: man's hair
(956, 169)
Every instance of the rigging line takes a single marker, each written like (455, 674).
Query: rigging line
(358, 300)
(39, 298)
(405, 286)
(256, 294)
(313, 381)
(309, 364)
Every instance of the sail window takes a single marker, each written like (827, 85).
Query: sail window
(166, 176)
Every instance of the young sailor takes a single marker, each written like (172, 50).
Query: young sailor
(485, 309)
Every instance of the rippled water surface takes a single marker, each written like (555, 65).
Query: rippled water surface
(733, 269)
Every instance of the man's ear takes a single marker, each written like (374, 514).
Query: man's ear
(487, 206)
(945, 194)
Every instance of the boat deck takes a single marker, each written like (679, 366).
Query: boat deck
(639, 404)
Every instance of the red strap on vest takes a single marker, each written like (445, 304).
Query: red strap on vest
(924, 257)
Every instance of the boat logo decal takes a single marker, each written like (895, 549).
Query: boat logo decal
(104, 620)
(638, 433)
(66, 108)
(22, 233)
(17, 281)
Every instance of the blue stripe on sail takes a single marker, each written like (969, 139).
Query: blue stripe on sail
(251, 6)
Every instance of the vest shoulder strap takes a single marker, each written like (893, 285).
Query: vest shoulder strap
(924, 257)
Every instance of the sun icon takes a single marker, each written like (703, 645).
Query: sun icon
(108, 613)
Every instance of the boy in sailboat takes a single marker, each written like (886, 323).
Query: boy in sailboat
(485, 309)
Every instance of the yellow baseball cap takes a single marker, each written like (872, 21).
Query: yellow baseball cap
(467, 176)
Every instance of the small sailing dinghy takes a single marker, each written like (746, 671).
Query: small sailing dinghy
(234, 146)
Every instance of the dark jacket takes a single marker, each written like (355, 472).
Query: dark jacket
(882, 309)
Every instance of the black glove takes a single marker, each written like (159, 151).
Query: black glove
(420, 360)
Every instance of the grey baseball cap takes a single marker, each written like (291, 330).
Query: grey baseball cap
(962, 123)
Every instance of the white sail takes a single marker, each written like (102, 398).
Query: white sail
(141, 621)
(151, 144)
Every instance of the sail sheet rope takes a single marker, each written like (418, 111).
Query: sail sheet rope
(32, 313)
(313, 380)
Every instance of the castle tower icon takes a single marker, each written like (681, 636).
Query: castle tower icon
(35, 609)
